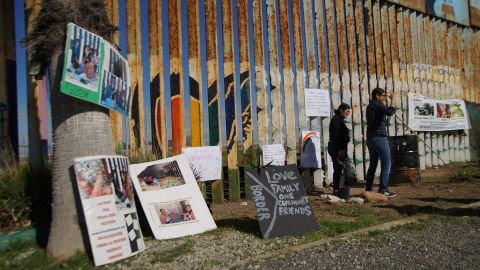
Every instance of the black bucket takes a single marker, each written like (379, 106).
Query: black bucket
(405, 160)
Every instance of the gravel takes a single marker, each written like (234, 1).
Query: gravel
(446, 243)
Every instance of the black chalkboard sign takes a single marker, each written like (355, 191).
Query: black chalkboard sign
(281, 201)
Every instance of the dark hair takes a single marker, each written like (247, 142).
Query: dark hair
(342, 107)
(376, 92)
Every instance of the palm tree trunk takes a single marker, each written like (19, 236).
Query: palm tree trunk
(79, 129)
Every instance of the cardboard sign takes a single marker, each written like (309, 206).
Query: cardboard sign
(310, 156)
(317, 102)
(273, 154)
(106, 193)
(206, 162)
(94, 71)
(171, 198)
(281, 201)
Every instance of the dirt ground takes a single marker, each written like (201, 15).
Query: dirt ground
(441, 189)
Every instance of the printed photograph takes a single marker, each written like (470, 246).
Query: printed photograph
(92, 179)
(116, 64)
(83, 59)
(457, 111)
(161, 176)
(115, 93)
(119, 176)
(443, 110)
(424, 108)
(175, 212)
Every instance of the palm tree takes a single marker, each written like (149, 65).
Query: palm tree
(80, 128)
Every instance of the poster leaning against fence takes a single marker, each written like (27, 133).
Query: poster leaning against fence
(106, 192)
(170, 196)
(426, 114)
(95, 71)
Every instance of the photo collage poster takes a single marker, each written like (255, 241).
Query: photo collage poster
(95, 71)
(170, 196)
(107, 196)
(426, 114)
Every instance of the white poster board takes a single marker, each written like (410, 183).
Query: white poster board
(273, 154)
(310, 156)
(170, 196)
(206, 162)
(106, 192)
(317, 102)
(426, 114)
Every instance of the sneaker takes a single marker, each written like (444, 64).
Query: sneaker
(390, 194)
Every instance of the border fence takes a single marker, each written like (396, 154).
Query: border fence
(233, 73)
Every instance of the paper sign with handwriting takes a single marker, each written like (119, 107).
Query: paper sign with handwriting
(317, 102)
(206, 162)
(273, 154)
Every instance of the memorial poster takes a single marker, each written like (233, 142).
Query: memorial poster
(170, 196)
(108, 203)
(95, 71)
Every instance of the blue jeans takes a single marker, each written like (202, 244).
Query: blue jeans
(337, 165)
(378, 147)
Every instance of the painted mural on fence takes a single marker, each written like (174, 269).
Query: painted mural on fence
(452, 10)
(214, 134)
(475, 13)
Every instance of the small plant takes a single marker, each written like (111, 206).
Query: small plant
(25, 193)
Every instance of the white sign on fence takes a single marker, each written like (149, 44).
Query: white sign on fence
(273, 154)
(426, 114)
(317, 102)
(206, 162)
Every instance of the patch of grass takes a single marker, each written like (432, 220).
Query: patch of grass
(213, 262)
(27, 255)
(414, 226)
(376, 233)
(363, 217)
(171, 254)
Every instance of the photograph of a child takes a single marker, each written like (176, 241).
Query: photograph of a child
(175, 212)
(83, 58)
(92, 179)
(443, 110)
(115, 93)
(161, 176)
(117, 172)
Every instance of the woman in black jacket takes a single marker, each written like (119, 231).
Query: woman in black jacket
(337, 145)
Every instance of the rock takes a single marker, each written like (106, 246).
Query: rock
(323, 197)
(333, 255)
(244, 203)
(342, 200)
(333, 199)
(374, 197)
(356, 200)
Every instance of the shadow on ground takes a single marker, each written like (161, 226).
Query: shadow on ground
(449, 200)
(245, 225)
(411, 209)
